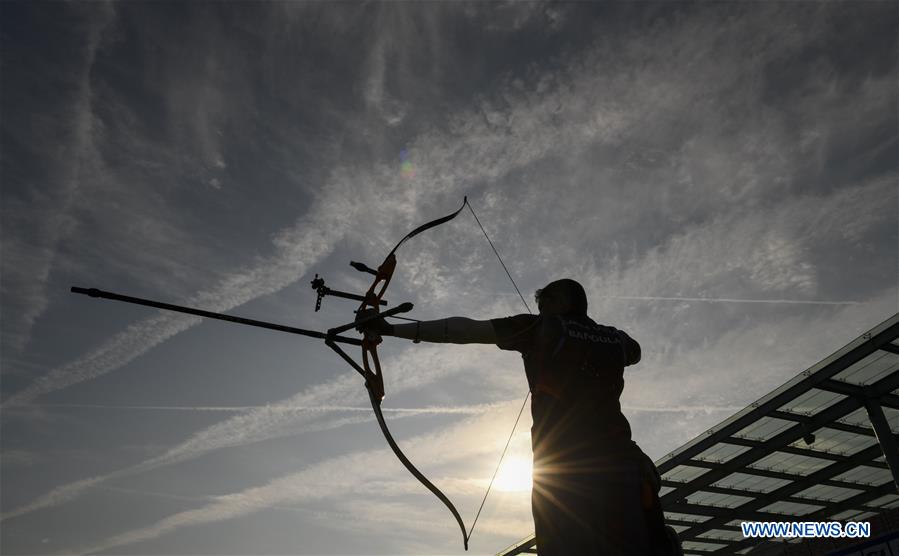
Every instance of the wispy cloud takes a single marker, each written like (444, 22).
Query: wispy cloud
(722, 198)
(296, 248)
(369, 513)
(707, 409)
(45, 209)
(273, 407)
(731, 300)
(472, 152)
(484, 144)
(71, 491)
(692, 374)
(328, 479)
(15, 458)
(280, 420)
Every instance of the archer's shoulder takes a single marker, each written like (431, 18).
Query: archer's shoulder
(515, 332)
(517, 321)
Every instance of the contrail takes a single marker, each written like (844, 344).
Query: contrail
(251, 424)
(685, 408)
(257, 424)
(435, 410)
(432, 410)
(731, 300)
(348, 473)
(184, 498)
(304, 241)
(70, 491)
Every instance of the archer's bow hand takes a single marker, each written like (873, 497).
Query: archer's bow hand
(368, 321)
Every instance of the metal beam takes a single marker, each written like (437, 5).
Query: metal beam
(815, 376)
(794, 450)
(835, 425)
(857, 502)
(861, 392)
(786, 490)
(524, 546)
(769, 473)
(685, 523)
(729, 491)
(885, 436)
(780, 440)
(724, 513)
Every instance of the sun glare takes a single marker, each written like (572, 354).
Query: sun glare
(515, 475)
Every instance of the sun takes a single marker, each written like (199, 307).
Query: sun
(515, 475)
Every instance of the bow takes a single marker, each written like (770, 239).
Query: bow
(371, 365)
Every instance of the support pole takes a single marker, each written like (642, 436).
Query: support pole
(884, 436)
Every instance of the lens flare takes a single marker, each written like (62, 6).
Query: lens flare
(407, 170)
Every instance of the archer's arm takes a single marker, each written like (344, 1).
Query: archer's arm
(452, 330)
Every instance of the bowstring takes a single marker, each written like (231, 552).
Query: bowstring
(478, 220)
(520, 411)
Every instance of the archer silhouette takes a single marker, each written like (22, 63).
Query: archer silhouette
(595, 491)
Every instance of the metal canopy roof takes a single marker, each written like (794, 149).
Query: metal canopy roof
(807, 451)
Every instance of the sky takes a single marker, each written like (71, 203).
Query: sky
(721, 177)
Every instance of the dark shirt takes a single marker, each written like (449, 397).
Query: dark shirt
(575, 371)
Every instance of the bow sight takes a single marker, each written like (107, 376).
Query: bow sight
(318, 284)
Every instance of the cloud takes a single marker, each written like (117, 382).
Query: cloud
(281, 419)
(20, 458)
(731, 300)
(669, 165)
(333, 478)
(688, 375)
(71, 491)
(378, 99)
(487, 144)
(451, 163)
(508, 17)
(45, 209)
(296, 248)
(769, 250)
(367, 513)
(277, 408)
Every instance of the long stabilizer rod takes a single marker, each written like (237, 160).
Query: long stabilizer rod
(93, 292)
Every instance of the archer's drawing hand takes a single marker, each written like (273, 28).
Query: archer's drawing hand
(368, 321)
